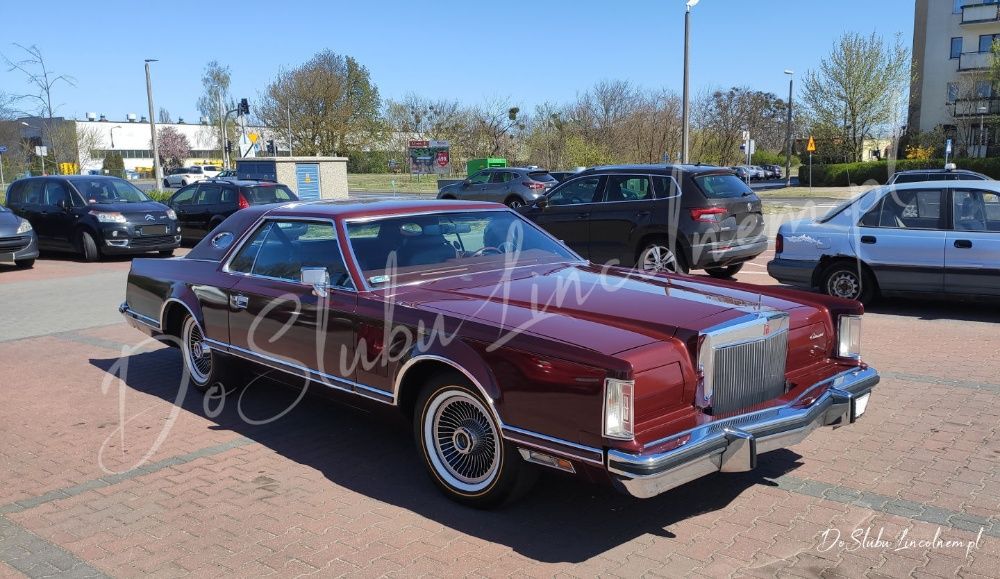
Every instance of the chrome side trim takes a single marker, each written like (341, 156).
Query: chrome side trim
(593, 455)
(144, 320)
(328, 380)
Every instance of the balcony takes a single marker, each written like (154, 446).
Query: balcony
(975, 61)
(969, 107)
(980, 13)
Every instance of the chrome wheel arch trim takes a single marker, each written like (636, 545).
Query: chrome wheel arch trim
(163, 310)
(401, 373)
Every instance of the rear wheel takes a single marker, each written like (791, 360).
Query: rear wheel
(658, 257)
(24, 263)
(463, 448)
(850, 281)
(724, 272)
(205, 367)
(166, 253)
(166, 184)
(89, 247)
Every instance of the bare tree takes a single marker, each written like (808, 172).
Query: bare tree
(36, 71)
(855, 87)
(164, 116)
(498, 124)
(215, 89)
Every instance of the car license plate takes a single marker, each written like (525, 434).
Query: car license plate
(860, 405)
(153, 230)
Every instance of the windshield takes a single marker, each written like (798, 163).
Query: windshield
(104, 190)
(415, 248)
(722, 186)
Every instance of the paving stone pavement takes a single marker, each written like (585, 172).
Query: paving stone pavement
(126, 478)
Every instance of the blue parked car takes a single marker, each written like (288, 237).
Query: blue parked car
(933, 237)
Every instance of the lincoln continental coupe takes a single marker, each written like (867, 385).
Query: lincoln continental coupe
(509, 352)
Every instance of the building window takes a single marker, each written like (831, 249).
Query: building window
(956, 47)
(984, 89)
(952, 92)
(956, 8)
(986, 42)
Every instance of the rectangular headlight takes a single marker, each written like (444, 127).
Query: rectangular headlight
(849, 337)
(619, 413)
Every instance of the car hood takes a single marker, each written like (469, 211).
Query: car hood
(9, 223)
(133, 211)
(608, 311)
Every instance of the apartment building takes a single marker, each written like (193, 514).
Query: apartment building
(952, 85)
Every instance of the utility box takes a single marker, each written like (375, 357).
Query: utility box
(473, 166)
(310, 178)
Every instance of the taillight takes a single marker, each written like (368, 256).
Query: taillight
(244, 204)
(779, 243)
(709, 214)
(533, 185)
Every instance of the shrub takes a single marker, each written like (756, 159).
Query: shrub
(772, 158)
(844, 174)
(114, 164)
(368, 161)
(159, 195)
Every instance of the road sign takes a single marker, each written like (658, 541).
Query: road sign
(41, 151)
(947, 147)
(254, 137)
(811, 147)
(3, 149)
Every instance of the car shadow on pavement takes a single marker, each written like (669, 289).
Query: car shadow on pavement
(368, 449)
(963, 311)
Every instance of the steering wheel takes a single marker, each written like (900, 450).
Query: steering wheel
(488, 251)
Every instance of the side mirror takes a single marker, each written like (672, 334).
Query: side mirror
(64, 204)
(541, 203)
(318, 278)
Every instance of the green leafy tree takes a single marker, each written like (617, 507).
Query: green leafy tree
(114, 164)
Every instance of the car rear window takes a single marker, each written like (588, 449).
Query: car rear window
(724, 186)
(262, 194)
(541, 176)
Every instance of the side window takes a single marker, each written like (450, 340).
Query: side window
(976, 210)
(480, 178)
(243, 262)
(871, 219)
(627, 188)
(33, 193)
(292, 245)
(228, 195)
(15, 195)
(575, 192)
(501, 177)
(208, 195)
(914, 209)
(283, 193)
(665, 187)
(184, 196)
(55, 192)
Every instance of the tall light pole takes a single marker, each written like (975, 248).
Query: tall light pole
(788, 131)
(113, 135)
(982, 128)
(157, 170)
(686, 115)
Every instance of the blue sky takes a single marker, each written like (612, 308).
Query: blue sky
(530, 51)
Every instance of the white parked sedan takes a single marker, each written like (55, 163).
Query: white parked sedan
(935, 237)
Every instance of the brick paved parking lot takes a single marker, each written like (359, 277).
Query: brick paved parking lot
(126, 478)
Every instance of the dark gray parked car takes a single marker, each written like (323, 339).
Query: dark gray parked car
(18, 243)
(512, 186)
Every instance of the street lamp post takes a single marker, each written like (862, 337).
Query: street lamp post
(157, 170)
(788, 132)
(686, 113)
(982, 129)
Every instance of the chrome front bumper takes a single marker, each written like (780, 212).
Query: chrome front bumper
(732, 444)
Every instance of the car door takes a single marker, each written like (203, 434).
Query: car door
(902, 239)
(56, 218)
(183, 205)
(206, 200)
(972, 248)
(474, 187)
(498, 187)
(277, 318)
(567, 211)
(625, 209)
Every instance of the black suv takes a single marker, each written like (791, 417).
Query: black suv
(203, 205)
(93, 215)
(921, 175)
(656, 217)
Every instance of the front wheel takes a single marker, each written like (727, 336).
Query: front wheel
(463, 448)
(166, 253)
(89, 247)
(724, 272)
(514, 202)
(849, 281)
(166, 184)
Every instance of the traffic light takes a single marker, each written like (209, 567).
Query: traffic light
(270, 147)
(244, 108)
(229, 146)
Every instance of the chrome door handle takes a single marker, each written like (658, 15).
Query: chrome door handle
(238, 302)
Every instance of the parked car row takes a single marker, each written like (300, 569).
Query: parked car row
(96, 216)
(758, 172)
(183, 176)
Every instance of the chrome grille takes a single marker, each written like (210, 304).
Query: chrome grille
(749, 373)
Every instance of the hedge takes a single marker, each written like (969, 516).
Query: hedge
(844, 174)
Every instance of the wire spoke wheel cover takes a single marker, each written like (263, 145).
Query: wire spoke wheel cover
(462, 441)
(658, 258)
(197, 354)
(844, 284)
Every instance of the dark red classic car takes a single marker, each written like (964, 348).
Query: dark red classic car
(506, 348)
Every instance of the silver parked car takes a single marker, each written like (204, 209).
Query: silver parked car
(18, 243)
(934, 237)
(512, 186)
